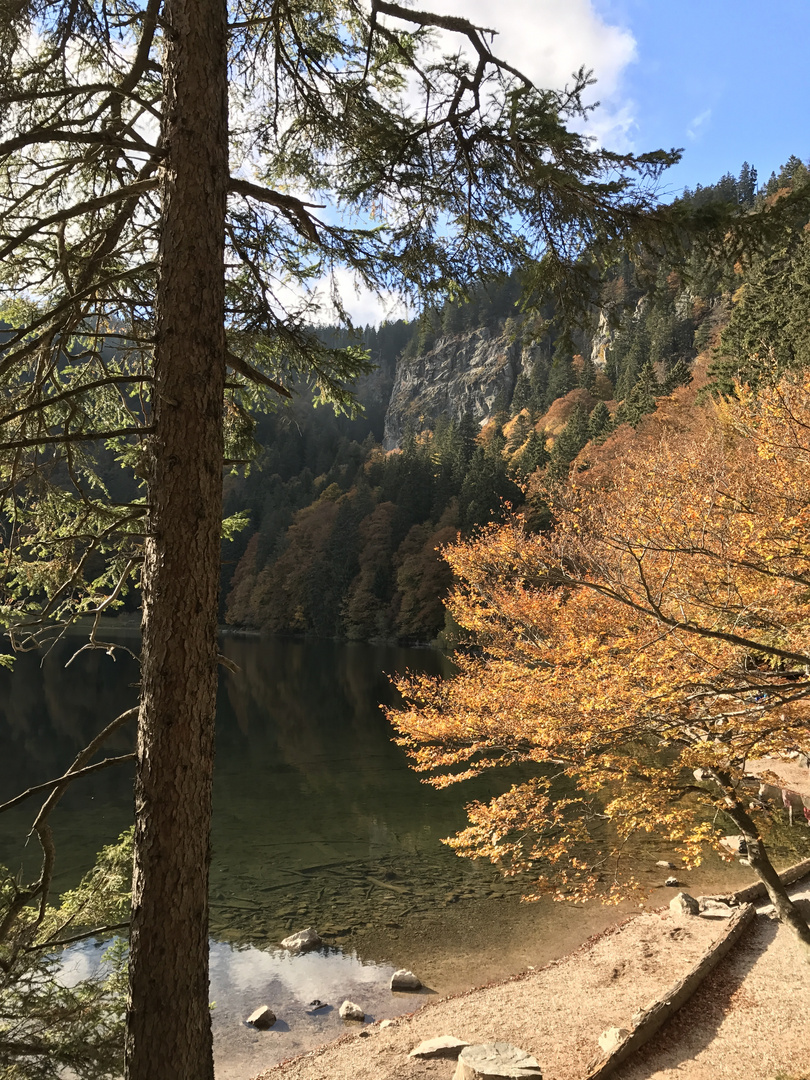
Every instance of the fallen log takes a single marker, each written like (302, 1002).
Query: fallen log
(650, 1019)
(757, 891)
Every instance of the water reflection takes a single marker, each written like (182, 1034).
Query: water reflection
(317, 815)
(317, 821)
(315, 809)
(242, 979)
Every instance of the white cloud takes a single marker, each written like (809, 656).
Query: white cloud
(365, 306)
(549, 39)
(699, 124)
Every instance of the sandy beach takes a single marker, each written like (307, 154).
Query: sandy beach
(747, 1021)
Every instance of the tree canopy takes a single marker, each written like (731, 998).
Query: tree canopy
(643, 651)
(176, 178)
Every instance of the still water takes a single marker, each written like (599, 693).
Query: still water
(318, 821)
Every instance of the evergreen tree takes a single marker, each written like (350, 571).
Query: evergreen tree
(677, 374)
(747, 185)
(519, 433)
(538, 380)
(767, 331)
(467, 433)
(139, 269)
(568, 444)
(533, 456)
(599, 422)
(586, 372)
(561, 377)
(522, 396)
(486, 487)
(637, 353)
(641, 399)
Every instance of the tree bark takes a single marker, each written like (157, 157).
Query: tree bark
(762, 866)
(168, 1025)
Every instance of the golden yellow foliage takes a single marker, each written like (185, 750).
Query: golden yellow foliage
(640, 653)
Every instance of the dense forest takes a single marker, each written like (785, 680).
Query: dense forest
(343, 535)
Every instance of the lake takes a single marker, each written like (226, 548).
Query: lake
(318, 821)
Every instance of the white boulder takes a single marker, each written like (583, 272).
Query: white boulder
(683, 904)
(303, 940)
(610, 1039)
(349, 1011)
(262, 1018)
(443, 1046)
(405, 980)
(496, 1061)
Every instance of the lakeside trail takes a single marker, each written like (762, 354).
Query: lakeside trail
(749, 1020)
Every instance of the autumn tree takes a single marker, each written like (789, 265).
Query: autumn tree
(176, 178)
(643, 653)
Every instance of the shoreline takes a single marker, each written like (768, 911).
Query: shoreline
(558, 1011)
(456, 949)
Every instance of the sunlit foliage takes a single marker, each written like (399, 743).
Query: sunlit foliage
(641, 652)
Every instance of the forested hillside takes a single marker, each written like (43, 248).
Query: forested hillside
(345, 515)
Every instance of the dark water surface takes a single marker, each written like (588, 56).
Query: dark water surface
(317, 821)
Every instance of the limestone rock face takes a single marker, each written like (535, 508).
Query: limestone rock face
(602, 340)
(460, 373)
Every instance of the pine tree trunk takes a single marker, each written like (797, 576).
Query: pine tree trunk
(168, 1026)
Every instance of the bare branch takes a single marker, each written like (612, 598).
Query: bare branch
(97, 932)
(112, 380)
(256, 376)
(120, 195)
(82, 436)
(294, 209)
(65, 778)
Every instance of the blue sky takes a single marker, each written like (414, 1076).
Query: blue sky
(726, 81)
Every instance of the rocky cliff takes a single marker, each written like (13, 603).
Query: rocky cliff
(465, 372)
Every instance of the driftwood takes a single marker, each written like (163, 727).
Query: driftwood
(660, 1010)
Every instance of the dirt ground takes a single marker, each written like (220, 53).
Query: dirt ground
(750, 1020)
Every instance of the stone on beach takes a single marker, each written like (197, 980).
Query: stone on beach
(498, 1060)
(610, 1039)
(303, 940)
(262, 1018)
(712, 908)
(443, 1046)
(405, 980)
(684, 904)
(349, 1011)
